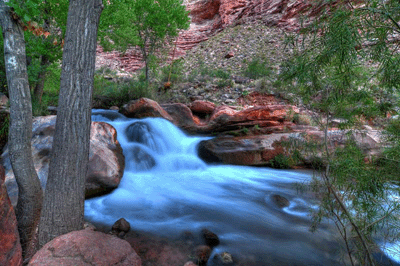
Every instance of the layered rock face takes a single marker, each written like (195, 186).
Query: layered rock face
(106, 160)
(10, 247)
(209, 17)
(252, 135)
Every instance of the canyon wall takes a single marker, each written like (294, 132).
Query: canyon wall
(209, 17)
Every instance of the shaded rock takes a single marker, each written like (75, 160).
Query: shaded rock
(144, 107)
(120, 227)
(190, 263)
(280, 201)
(10, 247)
(202, 254)
(106, 160)
(210, 238)
(86, 247)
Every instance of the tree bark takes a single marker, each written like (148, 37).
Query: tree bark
(20, 131)
(63, 208)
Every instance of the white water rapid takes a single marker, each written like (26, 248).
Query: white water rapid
(166, 190)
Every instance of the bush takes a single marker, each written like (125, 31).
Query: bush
(176, 72)
(257, 68)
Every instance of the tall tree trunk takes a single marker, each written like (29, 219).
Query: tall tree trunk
(20, 131)
(65, 190)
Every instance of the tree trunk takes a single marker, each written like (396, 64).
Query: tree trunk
(44, 63)
(65, 190)
(20, 131)
(38, 90)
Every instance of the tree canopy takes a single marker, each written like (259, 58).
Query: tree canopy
(143, 23)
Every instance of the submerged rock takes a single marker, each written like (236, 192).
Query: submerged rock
(280, 201)
(210, 238)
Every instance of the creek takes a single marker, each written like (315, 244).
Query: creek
(167, 189)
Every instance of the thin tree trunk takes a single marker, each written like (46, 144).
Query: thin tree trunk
(38, 90)
(44, 63)
(20, 131)
(63, 208)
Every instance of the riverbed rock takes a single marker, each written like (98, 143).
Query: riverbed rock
(202, 107)
(120, 227)
(263, 149)
(144, 107)
(280, 201)
(106, 160)
(10, 247)
(248, 150)
(182, 115)
(211, 239)
(203, 253)
(223, 259)
(86, 247)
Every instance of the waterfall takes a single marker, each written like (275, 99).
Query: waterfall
(166, 190)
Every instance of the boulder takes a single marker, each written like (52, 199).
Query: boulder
(86, 247)
(106, 160)
(202, 107)
(144, 107)
(10, 247)
(181, 114)
(248, 150)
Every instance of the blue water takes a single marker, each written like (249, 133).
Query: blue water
(167, 189)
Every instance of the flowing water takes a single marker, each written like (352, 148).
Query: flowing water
(167, 189)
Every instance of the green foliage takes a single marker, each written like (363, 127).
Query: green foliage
(281, 162)
(143, 23)
(345, 65)
(257, 68)
(119, 91)
(50, 91)
(173, 71)
(4, 126)
(39, 17)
